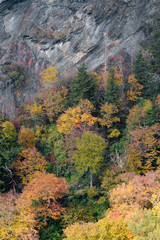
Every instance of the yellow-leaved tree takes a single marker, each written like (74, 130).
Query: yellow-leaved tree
(29, 161)
(108, 117)
(48, 76)
(135, 88)
(111, 227)
(26, 138)
(79, 117)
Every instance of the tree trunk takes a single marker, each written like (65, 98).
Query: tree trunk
(12, 179)
(57, 167)
(91, 180)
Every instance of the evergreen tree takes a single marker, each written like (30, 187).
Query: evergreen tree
(140, 68)
(155, 46)
(83, 86)
(112, 89)
(142, 71)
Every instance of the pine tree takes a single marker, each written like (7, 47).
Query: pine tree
(83, 86)
(142, 70)
(155, 46)
(112, 89)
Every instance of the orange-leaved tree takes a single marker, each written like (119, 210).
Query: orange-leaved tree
(20, 214)
(41, 195)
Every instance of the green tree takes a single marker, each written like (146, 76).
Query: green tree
(8, 153)
(9, 134)
(89, 154)
(112, 88)
(155, 46)
(83, 86)
(141, 70)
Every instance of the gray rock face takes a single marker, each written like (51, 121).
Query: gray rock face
(65, 33)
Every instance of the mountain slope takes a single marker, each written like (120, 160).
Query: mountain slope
(66, 33)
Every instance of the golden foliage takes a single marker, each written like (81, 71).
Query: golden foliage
(138, 115)
(26, 138)
(36, 110)
(113, 226)
(157, 101)
(29, 161)
(78, 117)
(135, 89)
(19, 214)
(15, 222)
(108, 112)
(53, 101)
(48, 76)
(115, 133)
(136, 192)
(143, 150)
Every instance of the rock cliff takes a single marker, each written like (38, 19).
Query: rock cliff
(64, 33)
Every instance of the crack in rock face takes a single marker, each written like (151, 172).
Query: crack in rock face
(65, 33)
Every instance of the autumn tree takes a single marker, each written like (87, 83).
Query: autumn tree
(89, 154)
(143, 150)
(35, 112)
(144, 224)
(48, 76)
(26, 138)
(41, 195)
(76, 118)
(108, 117)
(53, 102)
(16, 223)
(135, 89)
(29, 161)
(110, 227)
(47, 105)
(140, 115)
(135, 193)
(20, 215)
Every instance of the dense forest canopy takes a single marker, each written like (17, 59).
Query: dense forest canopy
(82, 161)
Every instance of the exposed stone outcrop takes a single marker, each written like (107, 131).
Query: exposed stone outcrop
(65, 33)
